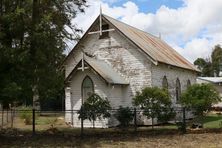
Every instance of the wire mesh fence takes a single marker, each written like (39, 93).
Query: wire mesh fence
(68, 121)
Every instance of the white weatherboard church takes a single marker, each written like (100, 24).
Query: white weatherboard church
(116, 60)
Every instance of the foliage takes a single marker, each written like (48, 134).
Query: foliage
(205, 66)
(211, 67)
(200, 97)
(155, 103)
(26, 114)
(216, 57)
(94, 107)
(33, 37)
(124, 115)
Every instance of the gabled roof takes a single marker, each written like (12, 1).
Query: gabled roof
(211, 79)
(155, 48)
(102, 69)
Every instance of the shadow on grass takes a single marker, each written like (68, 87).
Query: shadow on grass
(72, 138)
(212, 118)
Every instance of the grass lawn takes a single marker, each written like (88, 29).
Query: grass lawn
(213, 121)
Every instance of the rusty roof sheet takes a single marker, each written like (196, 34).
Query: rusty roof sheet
(153, 46)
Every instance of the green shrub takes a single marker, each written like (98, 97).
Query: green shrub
(94, 108)
(25, 113)
(200, 97)
(124, 115)
(155, 103)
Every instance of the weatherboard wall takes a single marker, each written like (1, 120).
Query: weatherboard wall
(172, 73)
(129, 62)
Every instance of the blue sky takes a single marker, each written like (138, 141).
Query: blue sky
(149, 5)
(191, 27)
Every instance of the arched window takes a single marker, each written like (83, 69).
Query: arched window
(188, 83)
(165, 83)
(87, 88)
(178, 89)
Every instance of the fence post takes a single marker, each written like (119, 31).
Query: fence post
(81, 128)
(2, 117)
(72, 117)
(33, 121)
(184, 121)
(81, 124)
(12, 118)
(135, 119)
(7, 115)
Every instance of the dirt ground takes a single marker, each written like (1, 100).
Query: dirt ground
(115, 139)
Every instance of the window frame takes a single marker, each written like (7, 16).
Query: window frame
(178, 90)
(82, 87)
(165, 83)
(188, 83)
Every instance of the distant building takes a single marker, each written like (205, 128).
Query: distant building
(215, 81)
(119, 61)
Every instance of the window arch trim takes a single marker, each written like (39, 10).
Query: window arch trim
(188, 83)
(178, 89)
(82, 87)
(165, 83)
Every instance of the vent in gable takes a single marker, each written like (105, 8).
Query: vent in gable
(105, 34)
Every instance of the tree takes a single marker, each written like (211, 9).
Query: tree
(94, 108)
(200, 63)
(205, 66)
(216, 57)
(155, 103)
(211, 67)
(124, 115)
(33, 35)
(199, 98)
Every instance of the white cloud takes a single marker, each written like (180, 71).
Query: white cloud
(197, 47)
(197, 25)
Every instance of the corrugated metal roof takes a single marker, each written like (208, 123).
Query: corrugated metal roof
(211, 79)
(156, 48)
(106, 71)
(102, 69)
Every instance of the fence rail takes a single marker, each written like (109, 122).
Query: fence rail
(37, 120)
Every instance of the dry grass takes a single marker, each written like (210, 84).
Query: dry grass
(112, 138)
(64, 136)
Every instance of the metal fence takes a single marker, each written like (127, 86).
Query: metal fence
(67, 121)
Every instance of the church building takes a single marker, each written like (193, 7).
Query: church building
(115, 61)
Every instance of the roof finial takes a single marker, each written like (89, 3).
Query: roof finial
(83, 61)
(159, 35)
(100, 20)
(101, 11)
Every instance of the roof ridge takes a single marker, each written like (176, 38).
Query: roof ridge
(132, 27)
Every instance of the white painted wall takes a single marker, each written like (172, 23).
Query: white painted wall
(120, 54)
(111, 92)
(126, 59)
(172, 73)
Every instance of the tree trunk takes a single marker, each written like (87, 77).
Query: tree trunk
(33, 48)
(93, 123)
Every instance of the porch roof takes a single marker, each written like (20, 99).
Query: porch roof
(103, 70)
